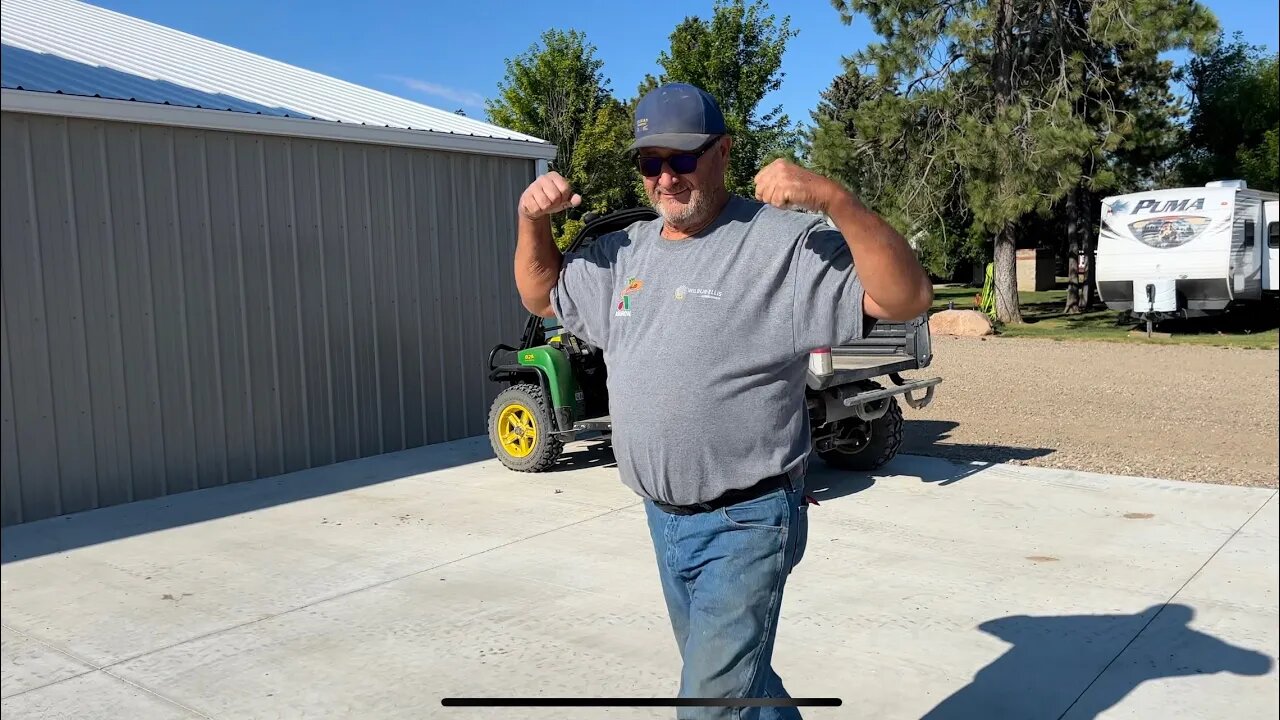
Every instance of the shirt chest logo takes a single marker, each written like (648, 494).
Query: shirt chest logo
(684, 292)
(628, 293)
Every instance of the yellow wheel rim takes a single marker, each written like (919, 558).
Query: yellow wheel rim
(517, 430)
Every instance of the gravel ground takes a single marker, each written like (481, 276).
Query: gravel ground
(1178, 412)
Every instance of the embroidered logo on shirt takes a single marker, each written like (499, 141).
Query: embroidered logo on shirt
(683, 292)
(624, 305)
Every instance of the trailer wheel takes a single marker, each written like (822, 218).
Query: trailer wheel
(520, 429)
(876, 442)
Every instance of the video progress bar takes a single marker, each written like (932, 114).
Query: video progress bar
(641, 702)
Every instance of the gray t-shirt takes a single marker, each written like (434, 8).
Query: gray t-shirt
(706, 342)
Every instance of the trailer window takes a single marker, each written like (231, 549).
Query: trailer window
(1273, 235)
(1248, 234)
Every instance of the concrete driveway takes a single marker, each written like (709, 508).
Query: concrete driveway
(376, 588)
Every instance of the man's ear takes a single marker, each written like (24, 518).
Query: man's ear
(722, 151)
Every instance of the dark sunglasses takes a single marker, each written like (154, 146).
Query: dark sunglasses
(681, 163)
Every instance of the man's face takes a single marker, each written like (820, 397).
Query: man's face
(687, 199)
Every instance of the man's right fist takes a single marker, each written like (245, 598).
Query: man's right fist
(547, 195)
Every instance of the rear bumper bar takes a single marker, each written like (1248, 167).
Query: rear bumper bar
(845, 401)
(906, 388)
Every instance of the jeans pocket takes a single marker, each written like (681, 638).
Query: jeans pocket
(768, 512)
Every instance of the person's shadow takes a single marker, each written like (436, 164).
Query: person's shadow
(1079, 666)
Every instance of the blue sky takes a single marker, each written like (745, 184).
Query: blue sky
(450, 55)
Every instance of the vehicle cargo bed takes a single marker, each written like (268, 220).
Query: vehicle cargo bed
(888, 348)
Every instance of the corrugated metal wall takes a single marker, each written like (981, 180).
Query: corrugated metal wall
(185, 309)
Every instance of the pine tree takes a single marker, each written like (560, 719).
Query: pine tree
(1015, 105)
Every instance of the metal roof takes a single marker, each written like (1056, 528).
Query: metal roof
(74, 48)
(23, 69)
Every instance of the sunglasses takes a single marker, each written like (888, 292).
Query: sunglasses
(680, 163)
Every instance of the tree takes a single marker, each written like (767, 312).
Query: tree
(1011, 104)
(554, 91)
(835, 147)
(1233, 127)
(967, 115)
(736, 56)
(889, 173)
(1109, 63)
(602, 172)
(1259, 165)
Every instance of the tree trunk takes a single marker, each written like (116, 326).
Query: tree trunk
(1084, 236)
(1086, 250)
(1077, 290)
(1006, 251)
(1006, 277)
(1079, 205)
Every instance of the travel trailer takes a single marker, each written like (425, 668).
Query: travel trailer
(1186, 252)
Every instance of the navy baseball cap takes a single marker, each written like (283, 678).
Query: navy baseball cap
(677, 116)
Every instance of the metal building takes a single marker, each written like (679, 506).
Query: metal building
(218, 267)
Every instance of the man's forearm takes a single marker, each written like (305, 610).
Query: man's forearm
(887, 266)
(537, 264)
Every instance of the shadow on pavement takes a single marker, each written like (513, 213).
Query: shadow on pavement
(591, 454)
(1074, 666)
(67, 532)
(928, 437)
(827, 483)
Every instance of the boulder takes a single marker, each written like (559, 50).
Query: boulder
(965, 323)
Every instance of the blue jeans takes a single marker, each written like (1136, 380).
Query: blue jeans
(723, 573)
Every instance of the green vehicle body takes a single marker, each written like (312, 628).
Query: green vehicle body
(555, 367)
(540, 360)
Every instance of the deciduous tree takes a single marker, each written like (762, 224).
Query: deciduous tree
(1235, 117)
(554, 91)
(736, 56)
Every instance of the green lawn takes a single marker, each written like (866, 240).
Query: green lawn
(1043, 318)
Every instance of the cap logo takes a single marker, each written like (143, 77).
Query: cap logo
(642, 123)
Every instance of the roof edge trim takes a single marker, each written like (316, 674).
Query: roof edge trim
(48, 103)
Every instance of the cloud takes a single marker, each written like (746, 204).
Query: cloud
(454, 95)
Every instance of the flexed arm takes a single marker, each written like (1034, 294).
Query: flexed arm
(537, 259)
(896, 286)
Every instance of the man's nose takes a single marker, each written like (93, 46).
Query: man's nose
(667, 179)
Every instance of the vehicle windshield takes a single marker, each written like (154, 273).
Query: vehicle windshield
(551, 327)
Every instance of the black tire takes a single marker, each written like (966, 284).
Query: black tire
(881, 447)
(524, 402)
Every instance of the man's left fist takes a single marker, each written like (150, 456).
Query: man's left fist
(786, 185)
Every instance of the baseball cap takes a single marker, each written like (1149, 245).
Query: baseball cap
(679, 116)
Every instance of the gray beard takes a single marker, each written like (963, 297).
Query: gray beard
(695, 213)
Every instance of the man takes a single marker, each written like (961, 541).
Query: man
(706, 316)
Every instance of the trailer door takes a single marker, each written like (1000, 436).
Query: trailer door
(1271, 260)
